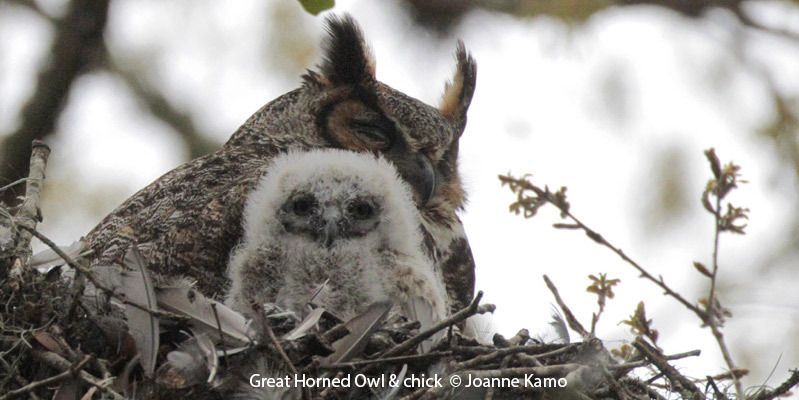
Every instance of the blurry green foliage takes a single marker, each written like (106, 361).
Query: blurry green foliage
(316, 6)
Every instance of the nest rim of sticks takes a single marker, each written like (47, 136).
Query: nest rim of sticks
(51, 337)
(50, 346)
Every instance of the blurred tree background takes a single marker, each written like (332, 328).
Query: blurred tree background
(615, 99)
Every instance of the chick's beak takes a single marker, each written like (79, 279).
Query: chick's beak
(329, 234)
(329, 228)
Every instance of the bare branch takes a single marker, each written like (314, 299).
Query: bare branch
(659, 360)
(99, 285)
(558, 200)
(57, 362)
(570, 318)
(472, 309)
(780, 390)
(69, 373)
(29, 214)
(78, 36)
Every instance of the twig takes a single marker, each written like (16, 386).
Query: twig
(712, 383)
(659, 361)
(12, 184)
(621, 392)
(265, 327)
(570, 318)
(636, 364)
(28, 214)
(390, 360)
(77, 37)
(531, 349)
(472, 309)
(518, 340)
(652, 393)
(520, 185)
(485, 358)
(783, 388)
(502, 365)
(279, 348)
(79, 285)
(20, 380)
(531, 204)
(644, 273)
(711, 307)
(99, 285)
(69, 373)
(57, 362)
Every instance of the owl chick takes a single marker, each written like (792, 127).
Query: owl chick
(339, 229)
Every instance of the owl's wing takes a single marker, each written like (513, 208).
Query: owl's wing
(457, 270)
(186, 222)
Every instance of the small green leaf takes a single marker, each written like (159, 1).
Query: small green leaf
(702, 269)
(316, 6)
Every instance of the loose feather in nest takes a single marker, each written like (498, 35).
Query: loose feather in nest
(142, 324)
(47, 259)
(360, 328)
(419, 309)
(207, 315)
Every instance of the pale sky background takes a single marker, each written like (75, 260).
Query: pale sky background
(610, 108)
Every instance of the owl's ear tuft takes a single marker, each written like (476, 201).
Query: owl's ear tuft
(347, 58)
(458, 92)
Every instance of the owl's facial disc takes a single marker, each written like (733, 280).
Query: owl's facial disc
(329, 221)
(353, 125)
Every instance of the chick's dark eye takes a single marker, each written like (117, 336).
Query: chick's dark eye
(361, 210)
(303, 206)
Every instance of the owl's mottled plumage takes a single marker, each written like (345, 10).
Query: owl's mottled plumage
(187, 222)
(337, 227)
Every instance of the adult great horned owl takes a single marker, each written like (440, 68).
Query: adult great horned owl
(187, 221)
(338, 229)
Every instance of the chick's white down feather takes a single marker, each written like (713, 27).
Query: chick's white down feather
(367, 259)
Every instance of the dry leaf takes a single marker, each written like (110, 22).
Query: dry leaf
(51, 343)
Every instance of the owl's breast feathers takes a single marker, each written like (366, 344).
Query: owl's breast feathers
(445, 242)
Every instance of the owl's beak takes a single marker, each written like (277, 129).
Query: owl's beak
(329, 234)
(428, 187)
(421, 175)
